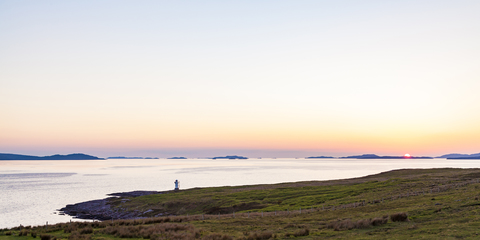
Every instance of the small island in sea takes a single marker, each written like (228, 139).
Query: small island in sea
(374, 156)
(231, 157)
(122, 157)
(177, 158)
(461, 156)
(319, 157)
(75, 156)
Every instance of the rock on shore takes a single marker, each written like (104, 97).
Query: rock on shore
(102, 209)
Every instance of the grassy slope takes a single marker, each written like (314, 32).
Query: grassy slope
(451, 211)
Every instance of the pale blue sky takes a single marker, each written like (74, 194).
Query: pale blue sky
(313, 77)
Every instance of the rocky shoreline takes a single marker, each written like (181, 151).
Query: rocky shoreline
(102, 209)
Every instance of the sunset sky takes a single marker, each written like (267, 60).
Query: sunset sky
(253, 78)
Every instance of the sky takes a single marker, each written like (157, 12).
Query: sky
(253, 78)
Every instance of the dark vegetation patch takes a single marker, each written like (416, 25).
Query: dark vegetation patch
(471, 204)
(46, 237)
(260, 235)
(163, 231)
(298, 233)
(235, 208)
(291, 225)
(399, 217)
(348, 224)
(474, 175)
(217, 236)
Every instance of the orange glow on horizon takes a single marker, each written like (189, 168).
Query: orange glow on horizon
(159, 134)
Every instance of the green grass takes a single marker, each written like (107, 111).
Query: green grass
(451, 211)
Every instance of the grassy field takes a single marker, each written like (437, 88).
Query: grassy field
(401, 204)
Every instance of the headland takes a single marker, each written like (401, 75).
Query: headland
(75, 156)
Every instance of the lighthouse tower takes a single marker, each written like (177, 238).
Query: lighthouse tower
(177, 185)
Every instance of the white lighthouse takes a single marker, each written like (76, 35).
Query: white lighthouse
(177, 185)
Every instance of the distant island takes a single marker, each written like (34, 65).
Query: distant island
(122, 157)
(374, 156)
(75, 156)
(461, 156)
(320, 157)
(475, 157)
(177, 158)
(231, 157)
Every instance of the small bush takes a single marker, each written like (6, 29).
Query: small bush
(70, 228)
(23, 233)
(399, 217)
(260, 235)
(379, 221)
(298, 233)
(87, 230)
(33, 234)
(302, 232)
(363, 223)
(339, 225)
(45, 237)
(8, 233)
(348, 224)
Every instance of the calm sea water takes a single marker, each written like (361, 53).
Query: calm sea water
(32, 191)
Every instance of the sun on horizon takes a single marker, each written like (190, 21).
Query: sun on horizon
(407, 155)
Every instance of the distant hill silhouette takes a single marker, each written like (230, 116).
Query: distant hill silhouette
(364, 156)
(374, 156)
(177, 158)
(475, 157)
(320, 157)
(231, 157)
(75, 156)
(460, 156)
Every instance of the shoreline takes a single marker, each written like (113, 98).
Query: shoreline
(101, 209)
